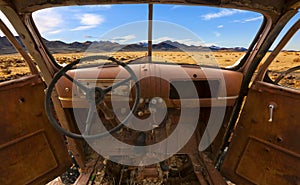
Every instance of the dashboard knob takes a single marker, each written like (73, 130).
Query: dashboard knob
(140, 113)
(153, 101)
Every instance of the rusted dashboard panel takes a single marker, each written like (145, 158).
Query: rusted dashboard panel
(204, 88)
(155, 81)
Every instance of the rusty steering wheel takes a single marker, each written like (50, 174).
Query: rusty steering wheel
(94, 94)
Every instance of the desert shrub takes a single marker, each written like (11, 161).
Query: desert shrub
(296, 59)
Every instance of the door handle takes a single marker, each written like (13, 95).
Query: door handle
(271, 111)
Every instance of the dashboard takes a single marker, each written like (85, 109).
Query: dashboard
(172, 83)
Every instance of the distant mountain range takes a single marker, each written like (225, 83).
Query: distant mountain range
(107, 46)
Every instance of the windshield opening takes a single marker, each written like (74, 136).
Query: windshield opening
(180, 34)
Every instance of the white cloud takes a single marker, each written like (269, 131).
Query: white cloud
(83, 28)
(123, 39)
(254, 19)
(222, 13)
(220, 26)
(54, 32)
(48, 21)
(89, 21)
(249, 20)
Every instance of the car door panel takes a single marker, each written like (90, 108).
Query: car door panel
(265, 147)
(31, 150)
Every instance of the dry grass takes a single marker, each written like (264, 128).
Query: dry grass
(13, 66)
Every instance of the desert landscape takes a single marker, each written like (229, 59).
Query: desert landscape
(13, 66)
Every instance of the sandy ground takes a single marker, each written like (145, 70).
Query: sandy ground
(13, 66)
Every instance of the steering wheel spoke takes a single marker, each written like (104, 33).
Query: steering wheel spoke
(89, 119)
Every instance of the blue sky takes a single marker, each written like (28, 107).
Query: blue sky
(128, 24)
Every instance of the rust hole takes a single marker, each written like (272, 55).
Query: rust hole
(21, 100)
(279, 139)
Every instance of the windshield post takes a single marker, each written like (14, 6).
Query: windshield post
(150, 18)
(12, 39)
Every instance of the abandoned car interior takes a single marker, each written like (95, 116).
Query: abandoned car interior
(137, 106)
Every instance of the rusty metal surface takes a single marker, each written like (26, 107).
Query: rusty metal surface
(265, 152)
(205, 170)
(31, 151)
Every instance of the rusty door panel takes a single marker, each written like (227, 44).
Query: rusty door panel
(31, 151)
(263, 151)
